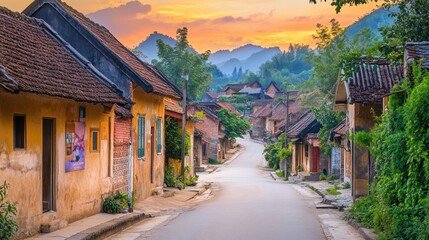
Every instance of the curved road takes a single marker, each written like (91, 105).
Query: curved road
(250, 205)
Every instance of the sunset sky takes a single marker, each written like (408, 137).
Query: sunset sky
(213, 25)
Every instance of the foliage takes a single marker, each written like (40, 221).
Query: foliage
(280, 173)
(299, 168)
(346, 185)
(362, 138)
(328, 119)
(178, 60)
(275, 152)
(333, 190)
(173, 139)
(338, 4)
(323, 177)
(334, 49)
(115, 203)
(235, 126)
(132, 200)
(189, 179)
(213, 161)
(170, 179)
(363, 210)
(199, 115)
(8, 225)
(241, 102)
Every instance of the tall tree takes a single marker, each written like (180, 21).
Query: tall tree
(176, 61)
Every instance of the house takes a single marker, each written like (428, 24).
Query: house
(361, 95)
(231, 89)
(259, 121)
(211, 132)
(307, 159)
(142, 170)
(175, 111)
(210, 97)
(56, 126)
(273, 90)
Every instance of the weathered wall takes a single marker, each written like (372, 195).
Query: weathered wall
(78, 193)
(258, 127)
(362, 118)
(152, 107)
(198, 151)
(121, 152)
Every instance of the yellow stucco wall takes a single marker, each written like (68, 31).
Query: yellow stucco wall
(78, 193)
(152, 107)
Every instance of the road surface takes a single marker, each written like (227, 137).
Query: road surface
(249, 205)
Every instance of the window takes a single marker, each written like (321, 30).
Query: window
(82, 114)
(306, 150)
(158, 136)
(19, 131)
(95, 141)
(140, 136)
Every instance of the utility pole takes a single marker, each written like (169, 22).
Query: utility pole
(287, 115)
(185, 110)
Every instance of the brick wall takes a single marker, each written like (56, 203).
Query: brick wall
(121, 149)
(210, 129)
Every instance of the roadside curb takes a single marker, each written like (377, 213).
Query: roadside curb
(109, 228)
(233, 157)
(366, 233)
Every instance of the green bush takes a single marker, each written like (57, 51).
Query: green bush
(299, 168)
(213, 161)
(322, 177)
(280, 173)
(170, 179)
(363, 210)
(115, 203)
(330, 177)
(333, 190)
(346, 185)
(8, 225)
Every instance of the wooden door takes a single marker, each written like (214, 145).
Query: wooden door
(48, 166)
(152, 154)
(315, 159)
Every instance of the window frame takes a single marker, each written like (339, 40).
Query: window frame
(24, 132)
(141, 136)
(92, 131)
(159, 136)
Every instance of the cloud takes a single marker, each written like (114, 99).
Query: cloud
(128, 10)
(230, 19)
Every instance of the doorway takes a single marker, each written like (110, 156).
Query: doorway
(315, 159)
(152, 154)
(48, 166)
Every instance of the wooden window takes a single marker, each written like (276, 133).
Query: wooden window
(140, 136)
(19, 132)
(158, 136)
(95, 140)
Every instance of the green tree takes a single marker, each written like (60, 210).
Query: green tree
(173, 139)
(338, 4)
(176, 61)
(328, 119)
(235, 126)
(8, 225)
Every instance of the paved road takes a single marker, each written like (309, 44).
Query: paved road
(250, 205)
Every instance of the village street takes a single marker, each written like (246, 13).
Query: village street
(248, 204)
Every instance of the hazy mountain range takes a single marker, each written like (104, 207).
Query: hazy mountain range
(251, 57)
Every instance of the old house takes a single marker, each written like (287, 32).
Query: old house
(56, 126)
(259, 121)
(141, 135)
(307, 159)
(273, 90)
(231, 89)
(361, 95)
(341, 165)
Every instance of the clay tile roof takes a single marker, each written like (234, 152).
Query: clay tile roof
(262, 102)
(279, 112)
(213, 95)
(341, 128)
(264, 111)
(306, 124)
(372, 80)
(227, 106)
(415, 51)
(160, 85)
(173, 106)
(31, 60)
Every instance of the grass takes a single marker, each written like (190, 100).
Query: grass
(280, 173)
(333, 190)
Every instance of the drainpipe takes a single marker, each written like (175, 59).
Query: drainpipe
(130, 163)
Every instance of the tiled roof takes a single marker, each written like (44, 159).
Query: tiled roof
(264, 111)
(227, 106)
(173, 106)
(236, 87)
(415, 51)
(123, 112)
(160, 85)
(32, 60)
(213, 95)
(262, 102)
(279, 112)
(341, 129)
(303, 126)
(372, 80)
(249, 90)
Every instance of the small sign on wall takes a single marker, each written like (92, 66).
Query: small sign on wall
(75, 146)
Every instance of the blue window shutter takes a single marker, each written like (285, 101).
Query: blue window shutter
(159, 137)
(140, 136)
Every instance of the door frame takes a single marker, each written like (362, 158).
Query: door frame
(53, 174)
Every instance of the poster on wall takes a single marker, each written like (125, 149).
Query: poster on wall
(75, 146)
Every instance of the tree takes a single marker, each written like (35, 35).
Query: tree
(176, 61)
(173, 139)
(235, 127)
(341, 3)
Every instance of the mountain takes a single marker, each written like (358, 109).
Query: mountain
(149, 48)
(240, 53)
(250, 60)
(374, 20)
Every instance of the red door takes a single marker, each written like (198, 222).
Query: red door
(315, 159)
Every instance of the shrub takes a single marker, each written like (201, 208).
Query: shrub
(330, 177)
(213, 161)
(333, 190)
(299, 168)
(8, 225)
(363, 210)
(280, 173)
(322, 177)
(170, 179)
(115, 203)
(346, 185)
